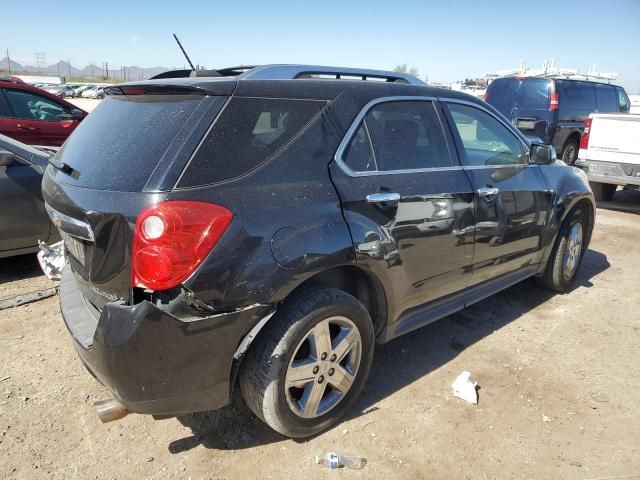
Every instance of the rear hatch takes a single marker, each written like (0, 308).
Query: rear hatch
(526, 102)
(126, 155)
(614, 138)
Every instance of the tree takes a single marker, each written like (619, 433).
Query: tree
(403, 68)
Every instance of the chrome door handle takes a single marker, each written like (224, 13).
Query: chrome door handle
(383, 197)
(488, 191)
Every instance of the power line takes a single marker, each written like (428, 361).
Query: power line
(41, 60)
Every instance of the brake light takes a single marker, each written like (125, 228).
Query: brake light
(554, 102)
(171, 239)
(584, 139)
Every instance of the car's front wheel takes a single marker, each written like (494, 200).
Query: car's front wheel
(307, 369)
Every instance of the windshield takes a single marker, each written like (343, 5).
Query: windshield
(509, 94)
(118, 146)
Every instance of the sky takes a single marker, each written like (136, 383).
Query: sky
(445, 40)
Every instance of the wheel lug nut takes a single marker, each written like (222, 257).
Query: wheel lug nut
(320, 379)
(331, 371)
(333, 357)
(323, 356)
(315, 370)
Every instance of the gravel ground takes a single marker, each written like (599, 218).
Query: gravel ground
(559, 394)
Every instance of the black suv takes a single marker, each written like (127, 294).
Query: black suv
(268, 228)
(554, 110)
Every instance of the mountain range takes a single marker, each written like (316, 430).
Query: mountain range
(64, 69)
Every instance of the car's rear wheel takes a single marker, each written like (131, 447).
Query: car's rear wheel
(570, 152)
(306, 371)
(568, 251)
(603, 192)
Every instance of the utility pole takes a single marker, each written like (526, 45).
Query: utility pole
(106, 69)
(9, 61)
(91, 67)
(69, 67)
(41, 58)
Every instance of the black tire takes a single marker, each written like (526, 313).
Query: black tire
(556, 276)
(603, 192)
(263, 371)
(570, 151)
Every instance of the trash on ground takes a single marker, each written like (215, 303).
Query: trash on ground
(340, 460)
(546, 419)
(27, 298)
(51, 259)
(464, 387)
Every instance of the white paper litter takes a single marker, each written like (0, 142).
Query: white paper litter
(51, 259)
(464, 387)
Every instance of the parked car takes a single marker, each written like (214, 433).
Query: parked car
(23, 218)
(63, 91)
(352, 212)
(554, 109)
(610, 153)
(81, 89)
(90, 92)
(35, 117)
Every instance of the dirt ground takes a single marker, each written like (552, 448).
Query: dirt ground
(559, 395)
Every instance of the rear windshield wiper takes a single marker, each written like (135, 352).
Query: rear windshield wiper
(64, 168)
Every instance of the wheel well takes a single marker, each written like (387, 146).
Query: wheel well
(588, 207)
(574, 136)
(358, 283)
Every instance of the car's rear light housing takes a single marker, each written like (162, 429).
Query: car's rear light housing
(584, 139)
(554, 101)
(172, 239)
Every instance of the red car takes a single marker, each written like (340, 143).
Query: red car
(35, 117)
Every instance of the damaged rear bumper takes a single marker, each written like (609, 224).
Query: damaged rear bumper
(153, 362)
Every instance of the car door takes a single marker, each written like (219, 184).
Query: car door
(36, 119)
(512, 201)
(407, 201)
(23, 218)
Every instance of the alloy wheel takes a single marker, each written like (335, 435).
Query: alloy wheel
(323, 367)
(573, 251)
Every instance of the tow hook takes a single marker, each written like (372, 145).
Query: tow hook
(110, 410)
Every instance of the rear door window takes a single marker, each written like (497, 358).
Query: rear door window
(606, 98)
(248, 132)
(576, 100)
(407, 136)
(120, 144)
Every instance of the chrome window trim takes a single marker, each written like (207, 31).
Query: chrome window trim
(353, 128)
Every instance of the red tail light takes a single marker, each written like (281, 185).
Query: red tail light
(554, 102)
(171, 239)
(584, 140)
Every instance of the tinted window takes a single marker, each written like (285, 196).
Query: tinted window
(118, 146)
(576, 99)
(502, 95)
(407, 136)
(31, 106)
(248, 132)
(485, 140)
(359, 154)
(623, 100)
(607, 98)
(534, 94)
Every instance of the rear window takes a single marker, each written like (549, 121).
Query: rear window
(248, 132)
(506, 94)
(120, 143)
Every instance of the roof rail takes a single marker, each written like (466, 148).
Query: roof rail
(290, 72)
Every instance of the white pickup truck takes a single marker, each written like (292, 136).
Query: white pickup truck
(610, 152)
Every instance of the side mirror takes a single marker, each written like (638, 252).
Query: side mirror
(542, 154)
(77, 114)
(7, 159)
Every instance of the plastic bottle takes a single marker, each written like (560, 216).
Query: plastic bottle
(340, 460)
